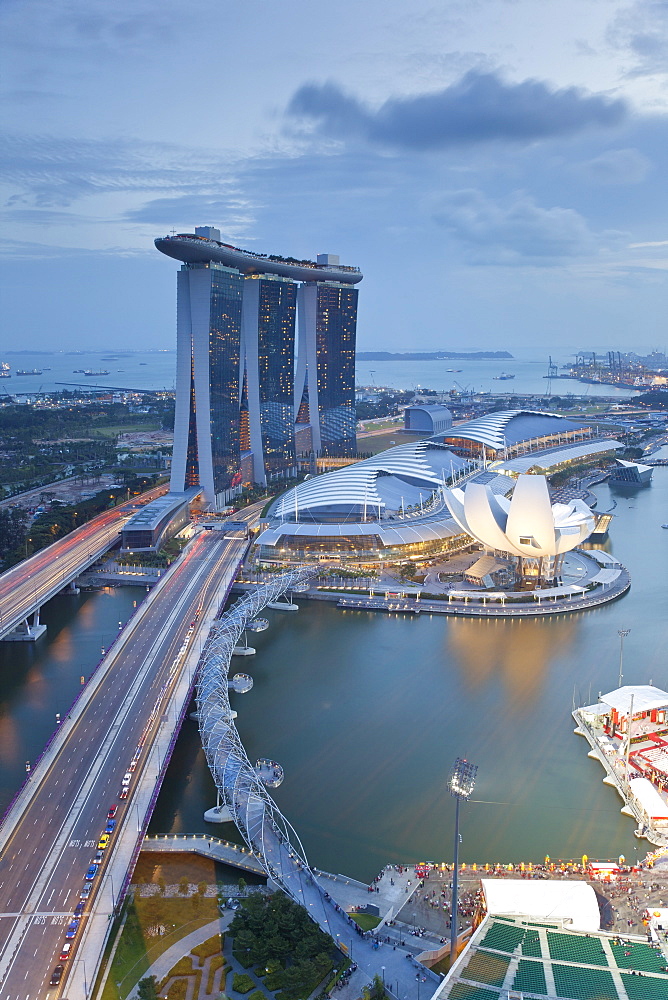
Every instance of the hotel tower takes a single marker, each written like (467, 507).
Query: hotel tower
(265, 363)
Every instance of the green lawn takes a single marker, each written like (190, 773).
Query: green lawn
(113, 430)
(137, 951)
(366, 920)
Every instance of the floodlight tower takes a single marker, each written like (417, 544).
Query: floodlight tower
(622, 633)
(461, 785)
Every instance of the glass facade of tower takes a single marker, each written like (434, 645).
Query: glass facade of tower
(336, 327)
(224, 374)
(277, 308)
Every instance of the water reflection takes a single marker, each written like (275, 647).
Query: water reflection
(520, 652)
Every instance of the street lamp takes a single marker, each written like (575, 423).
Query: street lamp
(461, 785)
(622, 633)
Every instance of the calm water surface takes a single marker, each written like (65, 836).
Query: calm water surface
(39, 679)
(155, 370)
(367, 712)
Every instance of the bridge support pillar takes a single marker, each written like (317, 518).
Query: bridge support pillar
(71, 588)
(28, 630)
(218, 814)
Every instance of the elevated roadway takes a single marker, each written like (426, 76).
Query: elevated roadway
(27, 586)
(49, 838)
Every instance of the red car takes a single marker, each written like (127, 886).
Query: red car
(112, 812)
(123, 794)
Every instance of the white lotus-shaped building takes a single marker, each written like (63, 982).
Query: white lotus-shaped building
(527, 526)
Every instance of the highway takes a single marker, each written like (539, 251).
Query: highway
(31, 583)
(44, 860)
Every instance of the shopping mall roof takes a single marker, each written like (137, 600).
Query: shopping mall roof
(406, 531)
(508, 427)
(550, 458)
(391, 480)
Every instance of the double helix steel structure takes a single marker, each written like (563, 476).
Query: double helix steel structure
(266, 831)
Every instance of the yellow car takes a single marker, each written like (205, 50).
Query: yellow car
(104, 840)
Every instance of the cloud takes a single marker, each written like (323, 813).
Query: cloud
(518, 232)
(642, 30)
(480, 107)
(652, 243)
(54, 172)
(228, 214)
(617, 166)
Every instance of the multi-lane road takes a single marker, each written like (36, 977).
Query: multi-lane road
(31, 583)
(44, 861)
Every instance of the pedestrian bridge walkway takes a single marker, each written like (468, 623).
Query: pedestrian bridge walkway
(210, 847)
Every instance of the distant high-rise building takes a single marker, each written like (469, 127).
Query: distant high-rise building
(241, 395)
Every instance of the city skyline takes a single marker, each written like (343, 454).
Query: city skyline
(506, 160)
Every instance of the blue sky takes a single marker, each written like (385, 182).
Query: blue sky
(495, 167)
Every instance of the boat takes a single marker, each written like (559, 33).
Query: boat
(503, 377)
(664, 525)
(4, 367)
(33, 371)
(94, 374)
(4, 374)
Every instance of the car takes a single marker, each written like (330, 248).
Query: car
(79, 908)
(109, 828)
(103, 841)
(56, 975)
(112, 811)
(127, 778)
(65, 953)
(85, 891)
(72, 929)
(123, 794)
(92, 872)
(97, 860)
(131, 767)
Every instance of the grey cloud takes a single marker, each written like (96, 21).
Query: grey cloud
(617, 166)
(50, 172)
(518, 232)
(186, 210)
(480, 107)
(642, 30)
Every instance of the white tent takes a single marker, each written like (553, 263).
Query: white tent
(574, 902)
(645, 698)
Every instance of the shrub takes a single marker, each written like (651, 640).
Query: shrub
(178, 990)
(242, 983)
(184, 967)
(213, 946)
(217, 962)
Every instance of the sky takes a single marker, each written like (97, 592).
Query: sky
(496, 168)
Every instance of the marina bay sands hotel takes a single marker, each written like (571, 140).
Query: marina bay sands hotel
(265, 363)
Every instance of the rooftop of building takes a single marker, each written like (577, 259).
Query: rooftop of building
(151, 516)
(191, 248)
(504, 428)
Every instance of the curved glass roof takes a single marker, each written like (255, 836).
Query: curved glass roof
(508, 427)
(419, 466)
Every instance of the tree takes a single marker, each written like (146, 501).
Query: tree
(162, 886)
(242, 884)
(184, 885)
(201, 888)
(147, 989)
(376, 991)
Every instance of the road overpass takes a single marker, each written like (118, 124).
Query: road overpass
(27, 586)
(131, 710)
